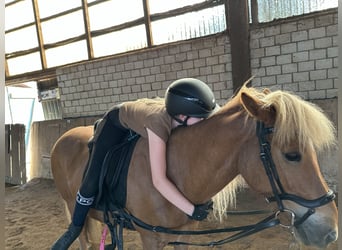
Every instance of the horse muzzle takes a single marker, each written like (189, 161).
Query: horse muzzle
(319, 234)
(310, 224)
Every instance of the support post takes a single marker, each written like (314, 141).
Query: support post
(147, 20)
(238, 31)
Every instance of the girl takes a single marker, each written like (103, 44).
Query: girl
(187, 101)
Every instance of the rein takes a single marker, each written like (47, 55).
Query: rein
(242, 231)
(121, 216)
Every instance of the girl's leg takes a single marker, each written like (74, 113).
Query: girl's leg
(108, 133)
(105, 137)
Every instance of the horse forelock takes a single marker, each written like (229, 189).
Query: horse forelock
(300, 120)
(297, 120)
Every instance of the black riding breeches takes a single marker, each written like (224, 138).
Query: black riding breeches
(108, 133)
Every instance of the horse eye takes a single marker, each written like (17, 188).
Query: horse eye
(293, 156)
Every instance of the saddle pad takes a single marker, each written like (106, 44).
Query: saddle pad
(113, 178)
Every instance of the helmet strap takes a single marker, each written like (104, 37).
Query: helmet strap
(185, 122)
(181, 122)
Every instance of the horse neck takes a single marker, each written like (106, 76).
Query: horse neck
(204, 158)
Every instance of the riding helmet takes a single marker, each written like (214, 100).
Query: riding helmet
(190, 97)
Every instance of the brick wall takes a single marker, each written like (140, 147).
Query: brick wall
(297, 54)
(91, 88)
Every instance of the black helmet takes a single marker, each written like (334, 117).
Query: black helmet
(190, 97)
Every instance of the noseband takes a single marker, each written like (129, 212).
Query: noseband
(279, 194)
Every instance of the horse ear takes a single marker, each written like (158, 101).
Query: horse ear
(266, 91)
(256, 108)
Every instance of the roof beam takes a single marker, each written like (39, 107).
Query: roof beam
(31, 76)
(39, 34)
(87, 29)
(47, 72)
(6, 68)
(254, 11)
(147, 20)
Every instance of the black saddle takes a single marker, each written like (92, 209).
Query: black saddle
(111, 198)
(113, 178)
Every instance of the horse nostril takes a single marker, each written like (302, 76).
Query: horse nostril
(331, 237)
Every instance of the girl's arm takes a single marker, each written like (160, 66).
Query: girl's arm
(157, 149)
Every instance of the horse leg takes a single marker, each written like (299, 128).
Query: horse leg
(153, 241)
(149, 244)
(155, 244)
(180, 247)
(83, 238)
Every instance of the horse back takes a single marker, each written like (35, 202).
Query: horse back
(69, 156)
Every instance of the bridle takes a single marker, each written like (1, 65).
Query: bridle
(121, 216)
(279, 194)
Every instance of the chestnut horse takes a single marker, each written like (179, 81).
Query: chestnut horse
(204, 158)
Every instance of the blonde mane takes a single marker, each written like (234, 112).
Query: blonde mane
(297, 121)
(226, 198)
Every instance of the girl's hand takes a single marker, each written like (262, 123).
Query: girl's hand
(201, 211)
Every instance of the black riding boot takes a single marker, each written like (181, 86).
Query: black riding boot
(110, 247)
(67, 238)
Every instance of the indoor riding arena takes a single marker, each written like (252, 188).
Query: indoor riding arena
(69, 62)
